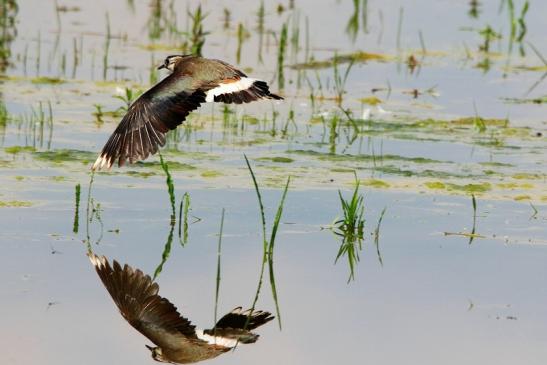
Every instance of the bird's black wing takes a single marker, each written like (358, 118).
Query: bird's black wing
(136, 296)
(142, 130)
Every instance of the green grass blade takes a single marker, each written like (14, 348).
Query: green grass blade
(377, 236)
(219, 250)
(76, 223)
(271, 251)
(165, 254)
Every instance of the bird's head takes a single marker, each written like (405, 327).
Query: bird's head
(171, 62)
(156, 353)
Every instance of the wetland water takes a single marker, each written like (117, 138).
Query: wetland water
(438, 106)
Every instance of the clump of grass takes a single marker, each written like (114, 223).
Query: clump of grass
(268, 245)
(351, 228)
(76, 223)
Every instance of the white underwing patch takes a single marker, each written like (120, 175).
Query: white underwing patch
(242, 84)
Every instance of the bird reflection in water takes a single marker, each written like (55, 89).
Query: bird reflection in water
(177, 340)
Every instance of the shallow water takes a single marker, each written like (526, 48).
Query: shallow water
(430, 293)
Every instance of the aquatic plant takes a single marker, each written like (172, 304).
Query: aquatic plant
(353, 223)
(260, 29)
(166, 252)
(98, 114)
(488, 34)
(377, 236)
(227, 16)
(155, 28)
(106, 47)
(351, 228)
(242, 34)
(76, 222)
(474, 205)
(340, 80)
(4, 115)
(217, 283)
(197, 34)
(268, 244)
(129, 95)
(474, 9)
(183, 219)
(281, 56)
(170, 188)
(8, 30)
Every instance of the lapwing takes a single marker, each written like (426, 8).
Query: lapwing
(177, 340)
(193, 80)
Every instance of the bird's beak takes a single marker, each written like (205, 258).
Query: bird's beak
(149, 347)
(161, 66)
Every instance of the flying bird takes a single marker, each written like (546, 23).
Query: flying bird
(177, 340)
(193, 80)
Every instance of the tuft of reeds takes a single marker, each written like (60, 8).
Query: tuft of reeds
(76, 223)
(351, 228)
(268, 245)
